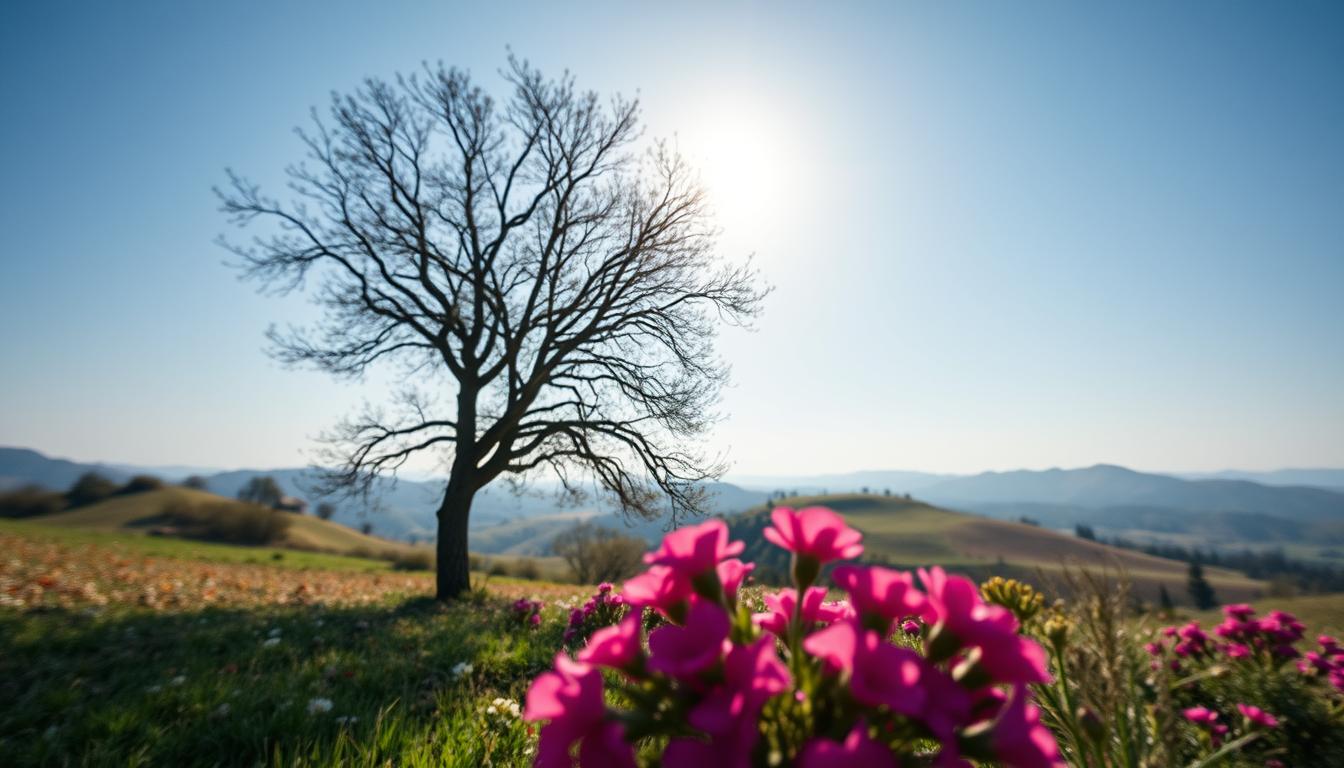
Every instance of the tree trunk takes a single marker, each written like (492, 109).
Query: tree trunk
(454, 567)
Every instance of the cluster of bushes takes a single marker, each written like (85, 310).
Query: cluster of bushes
(518, 567)
(31, 501)
(90, 488)
(227, 521)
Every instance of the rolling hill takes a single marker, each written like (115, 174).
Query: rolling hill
(141, 512)
(905, 533)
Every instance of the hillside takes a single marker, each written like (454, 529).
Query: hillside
(909, 533)
(140, 512)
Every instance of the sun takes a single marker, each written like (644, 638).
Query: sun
(744, 161)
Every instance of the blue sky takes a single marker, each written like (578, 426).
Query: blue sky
(1001, 235)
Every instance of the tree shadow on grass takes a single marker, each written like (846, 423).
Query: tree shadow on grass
(230, 686)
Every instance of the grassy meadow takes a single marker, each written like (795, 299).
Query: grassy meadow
(125, 650)
(122, 648)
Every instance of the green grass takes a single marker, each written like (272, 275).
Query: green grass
(186, 549)
(88, 681)
(133, 687)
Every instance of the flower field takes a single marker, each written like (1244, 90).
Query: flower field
(111, 656)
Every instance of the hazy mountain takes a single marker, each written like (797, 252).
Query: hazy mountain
(1329, 479)
(1104, 485)
(895, 480)
(398, 509)
(21, 466)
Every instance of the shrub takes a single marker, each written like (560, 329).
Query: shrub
(413, 561)
(140, 484)
(90, 488)
(30, 501)
(597, 554)
(526, 568)
(226, 521)
(197, 483)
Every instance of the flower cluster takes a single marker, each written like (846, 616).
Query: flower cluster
(873, 680)
(1328, 661)
(603, 609)
(528, 612)
(1241, 636)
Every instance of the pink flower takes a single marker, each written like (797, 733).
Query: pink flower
(659, 587)
(732, 573)
(1008, 657)
(752, 674)
(570, 697)
(857, 751)
(879, 673)
(814, 532)
(910, 627)
(1258, 716)
(880, 595)
(695, 549)
(684, 651)
(781, 605)
(1200, 715)
(1237, 651)
(617, 647)
(1019, 738)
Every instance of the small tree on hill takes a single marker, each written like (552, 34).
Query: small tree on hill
(261, 490)
(1085, 532)
(1201, 591)
(1164, 599)
(196, 483)
(325, 510)
(90, 488)
(596, 554)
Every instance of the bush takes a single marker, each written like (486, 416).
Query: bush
(413, 561)
(196, 483)
(226, 521)
(140, 484)
(526, 568)
(90, 488)
(30, 501)
(597, 554)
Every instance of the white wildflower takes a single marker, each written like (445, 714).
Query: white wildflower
(319, 706)
(347, 720)
(179, 680)
(462, 668)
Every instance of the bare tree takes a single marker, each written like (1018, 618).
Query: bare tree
(552, 292)
(595, 553)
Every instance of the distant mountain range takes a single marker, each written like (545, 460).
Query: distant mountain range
(1224, 508)
(398, 509)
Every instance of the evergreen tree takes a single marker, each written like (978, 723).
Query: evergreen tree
(1164, 599)
(1201, 591)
